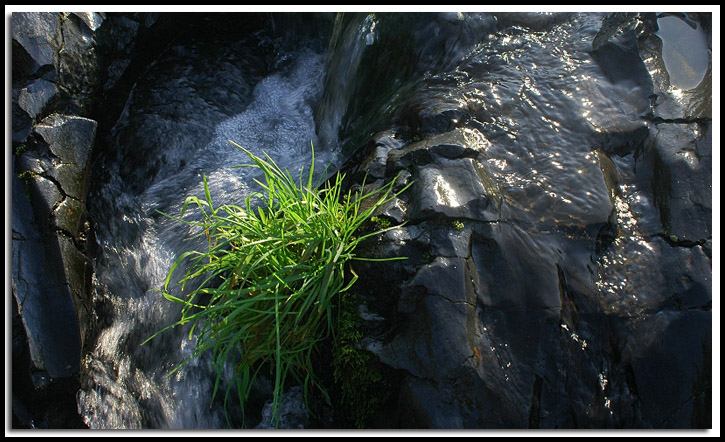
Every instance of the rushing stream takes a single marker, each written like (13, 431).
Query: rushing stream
(524, 90)
(130, 387)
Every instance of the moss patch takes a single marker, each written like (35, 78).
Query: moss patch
(358, 379)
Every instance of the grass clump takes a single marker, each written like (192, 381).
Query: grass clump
(262, 295)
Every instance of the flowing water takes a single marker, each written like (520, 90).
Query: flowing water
(190, 139)
(525, 89)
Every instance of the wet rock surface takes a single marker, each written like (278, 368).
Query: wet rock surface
(558, 228)
(55, 85)
(541, 301)
(293, 414)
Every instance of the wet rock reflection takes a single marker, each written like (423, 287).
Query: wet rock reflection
(587, 250)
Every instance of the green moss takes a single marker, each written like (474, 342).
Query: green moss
(27, 176)
(20, 149)
(457, 225)
(360, 382)
(380, 222)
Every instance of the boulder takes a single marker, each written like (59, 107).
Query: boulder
(50, 273)
(44, 304)
(35, 37)
(35, 98)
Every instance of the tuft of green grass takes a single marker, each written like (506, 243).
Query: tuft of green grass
(262, 295)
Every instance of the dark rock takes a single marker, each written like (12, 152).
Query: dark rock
(448, 145)
(501, 254)
(599, 395)
(22, 123)
(538, 21)
(450, 346)
(619, 51)
(41, 292)
(451, 242)
(664, 349)
(50, 276)
(92, 20)
(39, 402)
(409, 156)
(45, 196)
(395, 210)
(118, 38)
(440, 278)
(68, 214)
(440, 326)
(622, 143)
(293, 412)
(78, 68)
(688, 279)
(124, 31)
(35, 98)
(375, 165)
(650, 50)
(452, 189)
(666, 108)
(37, 33)
(407, 233)
(23, 64)
(70, 138)
(147, 19)
(677, 167)
(423, 404)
